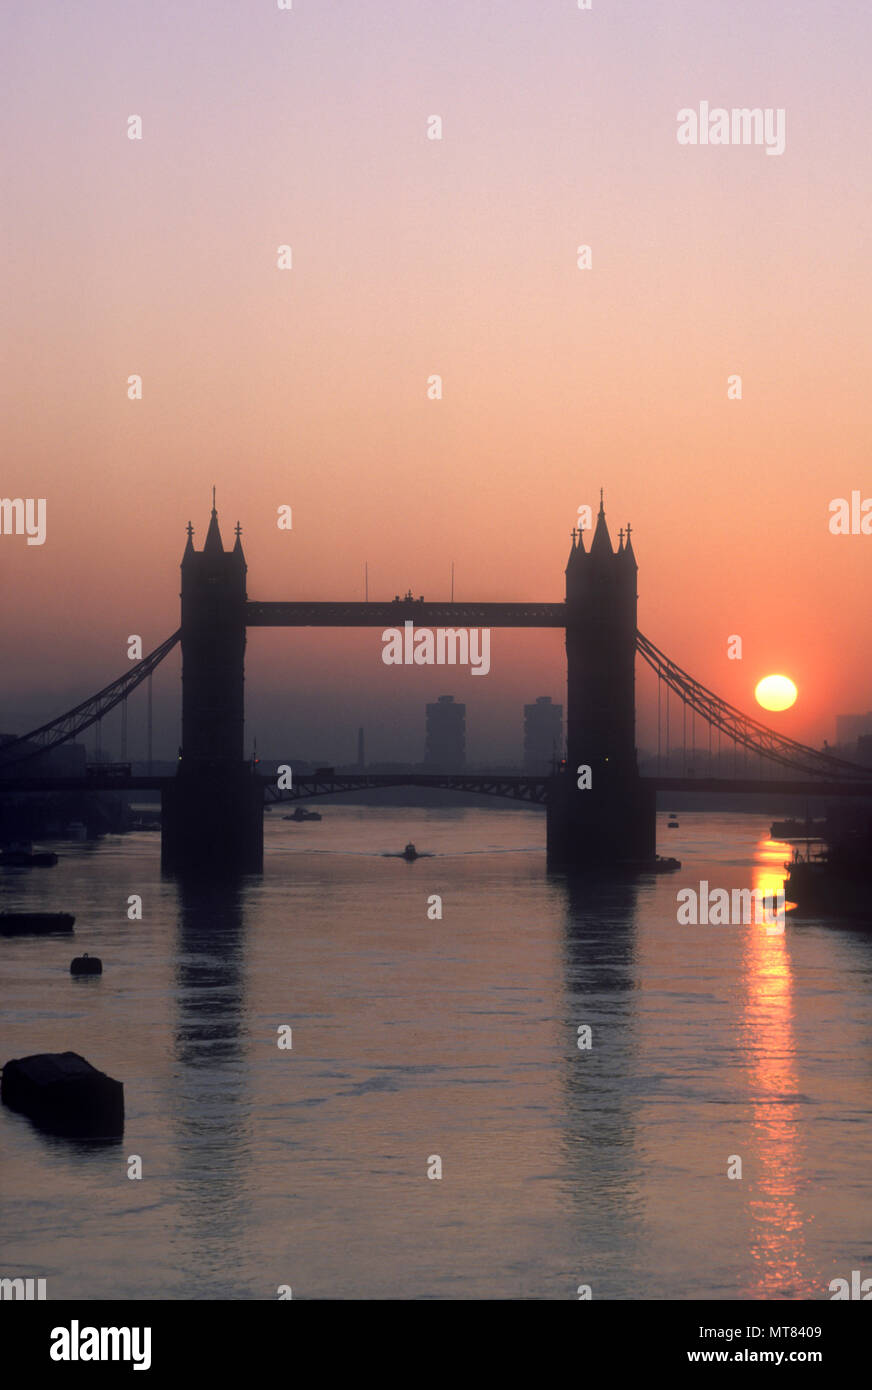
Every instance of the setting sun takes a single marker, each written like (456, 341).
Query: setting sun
(775, 692)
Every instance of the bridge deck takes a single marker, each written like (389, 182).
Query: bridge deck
(394, 614)
(515, 786)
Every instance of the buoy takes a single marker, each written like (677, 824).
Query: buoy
(86, 965)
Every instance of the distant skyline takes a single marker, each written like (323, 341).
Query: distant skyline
(413, 257)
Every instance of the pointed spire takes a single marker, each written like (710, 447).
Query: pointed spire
(577, 549)
(628, 548)
(237, 549)
(213, 543)
(601, 543)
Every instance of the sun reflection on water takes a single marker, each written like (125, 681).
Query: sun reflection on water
(767, 1035)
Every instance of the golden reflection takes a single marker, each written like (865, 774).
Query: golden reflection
(767, 1038)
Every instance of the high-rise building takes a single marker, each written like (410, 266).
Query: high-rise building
(543, 736)
(445, 747)
(864, 750)
(850, 727)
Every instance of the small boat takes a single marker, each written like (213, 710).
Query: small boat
(61, 1092)
(21, 855)
(300, 813)
(672, 824)
(633, 868)
(664, 864)
(659, 864)
(35, 923)
(410, 853)
(86, 965)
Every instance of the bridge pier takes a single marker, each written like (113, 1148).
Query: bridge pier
(213, 822)
(611, 823)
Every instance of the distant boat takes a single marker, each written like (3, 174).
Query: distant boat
(300, 813)
(672, 824)
(658, 864)
(35, 923)
(410, 853)
(21, 855)
(631, 868)
(792, 829)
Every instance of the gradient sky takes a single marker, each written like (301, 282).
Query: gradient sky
(413, 257)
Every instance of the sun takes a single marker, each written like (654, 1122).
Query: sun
(776, 692)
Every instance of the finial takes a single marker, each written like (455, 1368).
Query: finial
(238, 530)
(621, 535)
(190, 531)
(213, 501)
(574, 535)
(601, 499)
(628, 532)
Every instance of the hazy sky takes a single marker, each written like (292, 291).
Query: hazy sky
(413, 257)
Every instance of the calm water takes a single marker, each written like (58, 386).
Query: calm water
(457, 1037)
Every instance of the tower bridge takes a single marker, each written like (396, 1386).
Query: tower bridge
(213, 806)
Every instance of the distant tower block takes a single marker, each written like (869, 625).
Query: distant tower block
(445, 748)
(213, 813)
(614, 820)
(543, 736)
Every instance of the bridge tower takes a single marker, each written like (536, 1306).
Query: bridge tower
(213, 812)
(614, 819)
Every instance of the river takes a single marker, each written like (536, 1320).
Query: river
(416, 1037)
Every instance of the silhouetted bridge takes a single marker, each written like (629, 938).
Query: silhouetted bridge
(213, 806)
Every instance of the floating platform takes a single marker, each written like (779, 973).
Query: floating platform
(62, 1093)
(28, 859)
(35, 923)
